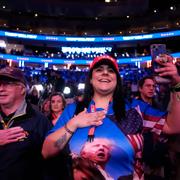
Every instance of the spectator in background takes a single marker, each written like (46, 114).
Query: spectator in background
(59, 82)
(148, 93)
(146, 88)
(155, 152)
(45, 106)
(34, 96)
(57, 105)
(22, 130)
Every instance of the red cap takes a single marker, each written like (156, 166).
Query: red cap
(106, 58)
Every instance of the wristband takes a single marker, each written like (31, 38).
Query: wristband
(176, 88)
(68, 130)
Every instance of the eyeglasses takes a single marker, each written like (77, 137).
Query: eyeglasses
(9, 83)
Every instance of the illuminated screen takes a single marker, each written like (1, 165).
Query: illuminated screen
(90, 38)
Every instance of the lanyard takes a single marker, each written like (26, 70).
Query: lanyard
(91, 132)
(54, 116)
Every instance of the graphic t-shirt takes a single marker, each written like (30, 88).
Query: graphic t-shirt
(116, 148)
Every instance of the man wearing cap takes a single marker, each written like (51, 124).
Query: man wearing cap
(22, 129)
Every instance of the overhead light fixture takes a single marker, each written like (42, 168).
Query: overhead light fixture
(2, 44)
(81, 86)
(67, 90)
(155, 11)
(172, 8)
(39, 87)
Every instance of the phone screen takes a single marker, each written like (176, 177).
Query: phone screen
(158, 52)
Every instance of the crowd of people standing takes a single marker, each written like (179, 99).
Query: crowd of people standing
(101, 129)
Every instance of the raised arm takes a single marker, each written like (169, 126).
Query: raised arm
(57, 140)
(172, 124)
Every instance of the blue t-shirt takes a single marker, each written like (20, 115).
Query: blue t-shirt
(115, 147)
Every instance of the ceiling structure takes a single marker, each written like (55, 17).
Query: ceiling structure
(79, 8)
(80, 16)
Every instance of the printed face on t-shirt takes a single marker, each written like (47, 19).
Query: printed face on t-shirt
(98, 151)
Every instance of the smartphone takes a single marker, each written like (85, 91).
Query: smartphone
(158, 53)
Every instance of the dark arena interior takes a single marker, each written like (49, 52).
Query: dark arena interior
(54, 43)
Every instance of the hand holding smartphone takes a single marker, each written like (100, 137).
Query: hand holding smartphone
(159, 58)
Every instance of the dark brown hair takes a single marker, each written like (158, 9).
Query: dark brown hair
(118, 96)
(142, 81)
(58, 94)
